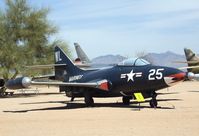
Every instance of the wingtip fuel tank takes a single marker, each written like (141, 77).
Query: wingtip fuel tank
(18, 83)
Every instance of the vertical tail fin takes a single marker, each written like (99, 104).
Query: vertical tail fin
(192, 59)
(63, 72)
(190, 55)
(81, 54)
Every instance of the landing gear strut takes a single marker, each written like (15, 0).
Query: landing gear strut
(72, 98)
(126, 100)
(153, 102)
(88, 99)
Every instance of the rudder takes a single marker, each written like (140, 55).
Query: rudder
(64, 67)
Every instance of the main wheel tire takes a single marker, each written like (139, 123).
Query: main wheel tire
(88, 100)
(126, 100)
(153, 103)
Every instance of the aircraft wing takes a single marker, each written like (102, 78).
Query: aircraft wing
(102, 84)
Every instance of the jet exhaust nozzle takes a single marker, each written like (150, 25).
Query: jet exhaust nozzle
(18, 83)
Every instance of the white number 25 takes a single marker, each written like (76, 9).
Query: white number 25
(155, 74)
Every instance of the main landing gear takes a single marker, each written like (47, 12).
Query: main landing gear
(88, 99)
(153, 102)
(126, 100)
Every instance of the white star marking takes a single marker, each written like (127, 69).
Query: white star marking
(130, 76)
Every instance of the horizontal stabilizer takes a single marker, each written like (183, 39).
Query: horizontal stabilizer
(45, 66)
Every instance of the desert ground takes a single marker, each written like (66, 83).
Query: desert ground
(50, 113)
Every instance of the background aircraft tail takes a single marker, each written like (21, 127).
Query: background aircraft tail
(190, 55)
(81, 54)
(192, 59)
(64, 67)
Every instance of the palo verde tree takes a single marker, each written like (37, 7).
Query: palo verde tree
(24, 38)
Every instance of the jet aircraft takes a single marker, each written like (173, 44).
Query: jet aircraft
(122, 80)
(85, 62)
(192, 60)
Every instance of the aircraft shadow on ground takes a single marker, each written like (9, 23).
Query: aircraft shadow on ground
(168, 93)
(74, 105)
(24, 95)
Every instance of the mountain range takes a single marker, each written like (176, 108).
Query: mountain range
(163, 59)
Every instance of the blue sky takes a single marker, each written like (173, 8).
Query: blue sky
(125, 27)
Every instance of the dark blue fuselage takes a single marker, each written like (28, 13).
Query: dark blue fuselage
(130, 79)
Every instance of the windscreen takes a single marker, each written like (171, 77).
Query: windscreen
(134, 62)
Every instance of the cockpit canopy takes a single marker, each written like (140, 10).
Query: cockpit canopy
(134, 62)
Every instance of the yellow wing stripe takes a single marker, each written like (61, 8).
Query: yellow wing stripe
(139, 97)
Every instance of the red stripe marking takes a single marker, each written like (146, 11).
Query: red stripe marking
(104, 86)
(178, 77)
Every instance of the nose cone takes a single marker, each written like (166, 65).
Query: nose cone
(178, 77)
(174, 76)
